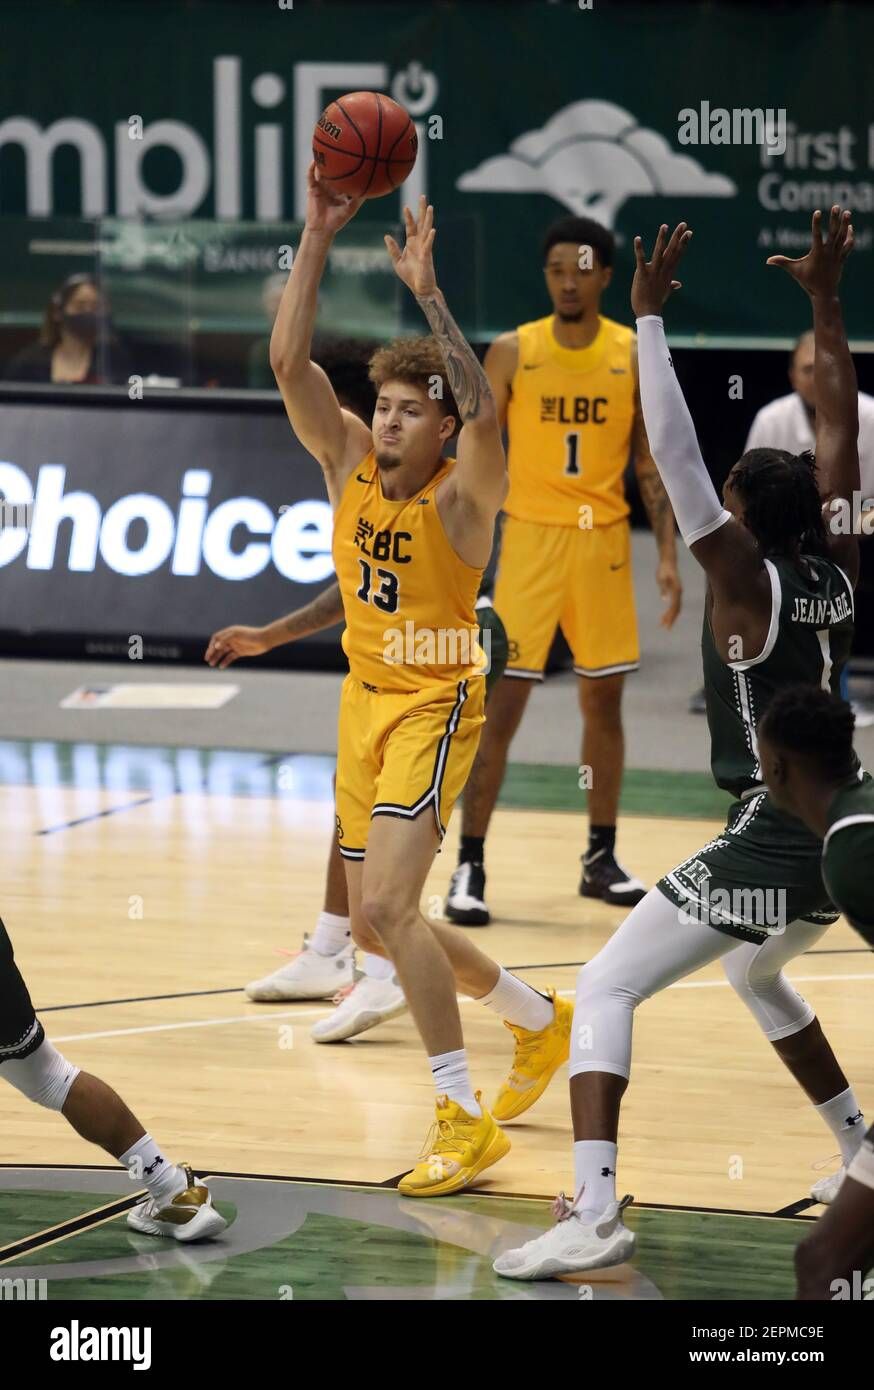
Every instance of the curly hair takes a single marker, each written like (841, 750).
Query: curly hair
(782, 505)
(417, 361)
(804, 719)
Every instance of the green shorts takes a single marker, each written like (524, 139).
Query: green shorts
(763, 871)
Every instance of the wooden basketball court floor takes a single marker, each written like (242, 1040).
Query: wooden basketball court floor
(143, 887)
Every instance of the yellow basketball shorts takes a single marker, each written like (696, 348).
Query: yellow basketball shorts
(580, 580)
(403, 754)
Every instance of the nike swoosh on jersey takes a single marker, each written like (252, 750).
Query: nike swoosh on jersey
(359, 479)
(618, 371)
(531, 366)
(619, 566)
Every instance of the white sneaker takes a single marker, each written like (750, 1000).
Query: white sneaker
(189, 1216)
(307, 976)
(827, 1188)
(360, 1006)
(574, 1244)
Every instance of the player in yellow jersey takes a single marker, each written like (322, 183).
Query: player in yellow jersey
(566, 387)
(412, 535)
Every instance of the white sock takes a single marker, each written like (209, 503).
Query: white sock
(332, 933)
(451, 1079)
(594, 1175)
(377, 967)
(518, 1003)
(845, 1120)
(148, 1167)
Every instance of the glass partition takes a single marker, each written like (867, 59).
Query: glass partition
(192, 303)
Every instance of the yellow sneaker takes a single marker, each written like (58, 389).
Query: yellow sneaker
(458, 1148)
(537, 1057)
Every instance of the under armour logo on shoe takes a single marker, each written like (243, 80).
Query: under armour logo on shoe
(149, 1169)
(608, 1172)
(854, 1119)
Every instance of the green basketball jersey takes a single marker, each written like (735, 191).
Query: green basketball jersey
(848, 855)
(808, 642)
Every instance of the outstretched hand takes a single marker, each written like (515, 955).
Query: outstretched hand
(327, 211)
(232, 642)
(820, 270)
(654, 280)
(415, 264)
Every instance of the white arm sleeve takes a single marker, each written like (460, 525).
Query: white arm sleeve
(672, 439)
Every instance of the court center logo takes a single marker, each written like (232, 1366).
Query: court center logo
(592, 156)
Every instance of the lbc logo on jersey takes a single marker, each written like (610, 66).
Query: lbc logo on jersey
(573, 410)
(381, 545)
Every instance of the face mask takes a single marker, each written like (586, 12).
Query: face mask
(85, 325)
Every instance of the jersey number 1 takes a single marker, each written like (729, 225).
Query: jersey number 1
(572, 454)
(386, 596)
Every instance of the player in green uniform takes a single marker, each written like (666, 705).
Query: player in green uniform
(779, 611)
(806, 747)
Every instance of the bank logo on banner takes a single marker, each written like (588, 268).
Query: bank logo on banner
(592, 156)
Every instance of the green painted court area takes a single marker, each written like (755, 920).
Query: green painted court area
(306, 1240)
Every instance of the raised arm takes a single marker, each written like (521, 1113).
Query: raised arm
(478, 484)
(230, 643)
(658, 508)
(837, 393)
(336, 437)
(723, 547)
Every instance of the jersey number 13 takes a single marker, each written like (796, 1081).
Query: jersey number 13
(386, 596)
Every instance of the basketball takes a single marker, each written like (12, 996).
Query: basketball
(364, 144)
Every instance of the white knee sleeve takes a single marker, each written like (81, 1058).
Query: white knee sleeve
(756, 974)
(602, 1026)
(650, 950)
(45, 1077)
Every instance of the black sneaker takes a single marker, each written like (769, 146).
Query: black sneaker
(604, 878)
(465, 899)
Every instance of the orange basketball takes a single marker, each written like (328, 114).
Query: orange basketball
(364, 145)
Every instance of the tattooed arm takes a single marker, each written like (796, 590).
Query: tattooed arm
(324, 611)
(470, 498)
(658, 509)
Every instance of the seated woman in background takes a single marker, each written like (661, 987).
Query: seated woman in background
(76, 344)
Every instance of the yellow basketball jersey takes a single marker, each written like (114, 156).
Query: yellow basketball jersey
(407, 596)
(569, 422)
